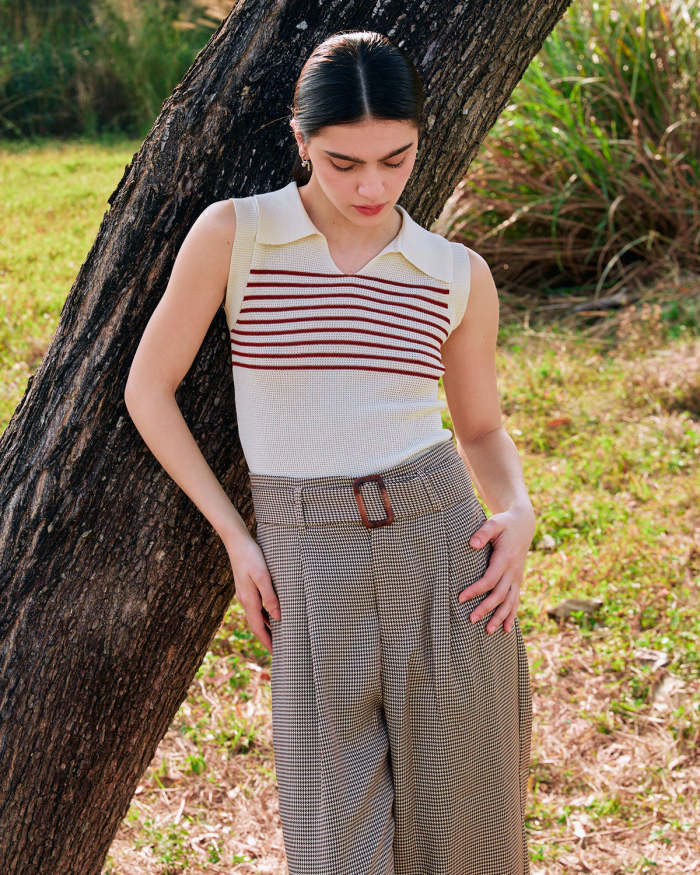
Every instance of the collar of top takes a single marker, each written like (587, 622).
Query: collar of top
(283, 218)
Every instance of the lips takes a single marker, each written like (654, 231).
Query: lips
(369, 210)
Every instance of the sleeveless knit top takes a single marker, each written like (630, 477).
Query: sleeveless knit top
(335, 373)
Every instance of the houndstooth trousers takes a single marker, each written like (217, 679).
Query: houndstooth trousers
(401, 730)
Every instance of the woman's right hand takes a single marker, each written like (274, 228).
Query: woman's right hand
(254, 588)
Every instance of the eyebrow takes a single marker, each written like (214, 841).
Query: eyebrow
(360, 161)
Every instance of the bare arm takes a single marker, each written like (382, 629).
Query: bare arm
(469, 357)
(169, 344)
(167, 349)
(471, 390)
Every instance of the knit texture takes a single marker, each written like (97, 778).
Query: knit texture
(335, 373)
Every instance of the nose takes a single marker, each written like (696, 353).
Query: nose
(371, 187)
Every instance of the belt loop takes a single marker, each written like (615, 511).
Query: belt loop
(299, 506)
(431, 489)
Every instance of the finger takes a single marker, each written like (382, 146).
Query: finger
(514, 612)
(259, 629)
(258, 593)
(268, 630)
(486, 532)
(501, 614)
(268, 596)
(256, 614)
(510, 619)
(499, 595)
(496, 568)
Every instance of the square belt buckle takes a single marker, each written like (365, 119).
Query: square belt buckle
(371, 524)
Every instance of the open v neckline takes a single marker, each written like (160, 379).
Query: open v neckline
(330, 258)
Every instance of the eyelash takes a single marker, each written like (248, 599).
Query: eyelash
(345, 169)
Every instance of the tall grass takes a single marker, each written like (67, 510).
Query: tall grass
(95, 66)
(590, 179)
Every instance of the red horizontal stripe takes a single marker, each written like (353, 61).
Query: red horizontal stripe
(362, 331)
(333, 305)
(378, 345)
(293, 308)
(367, 276)
(402, 296)
(334, 354)
(322, 318)
(328, 319)
(337, 367)
(334, 340)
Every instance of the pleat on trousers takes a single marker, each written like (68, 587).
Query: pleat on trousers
(401, 730)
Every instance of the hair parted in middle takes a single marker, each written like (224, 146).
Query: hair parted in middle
(351, 76)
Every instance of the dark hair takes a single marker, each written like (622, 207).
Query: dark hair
(351, 76)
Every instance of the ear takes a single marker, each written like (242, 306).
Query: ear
(297, 135)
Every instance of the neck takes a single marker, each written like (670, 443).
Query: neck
(336, 228)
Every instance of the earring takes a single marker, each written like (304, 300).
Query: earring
(306, 164)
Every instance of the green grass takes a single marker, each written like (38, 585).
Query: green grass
(608, 435)
(615, 485)
(54, 197)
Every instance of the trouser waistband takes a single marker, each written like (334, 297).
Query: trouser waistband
(430, 481)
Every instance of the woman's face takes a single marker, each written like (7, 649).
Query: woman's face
(363, 163)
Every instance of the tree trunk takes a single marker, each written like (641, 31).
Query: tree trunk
(112, 584)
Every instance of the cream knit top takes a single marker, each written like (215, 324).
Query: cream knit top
(335, 373)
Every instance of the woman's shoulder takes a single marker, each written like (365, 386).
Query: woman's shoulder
(219, 216)
(214, 230)
(470, 268)
(209, 242)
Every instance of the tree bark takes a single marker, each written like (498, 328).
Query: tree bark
(112, 584)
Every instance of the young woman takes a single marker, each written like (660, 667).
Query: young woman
(400, 684)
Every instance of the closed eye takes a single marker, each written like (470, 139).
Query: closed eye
(387, 163)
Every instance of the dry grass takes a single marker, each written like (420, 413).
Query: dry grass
(588, 181)
(224, 819)
(612, 799)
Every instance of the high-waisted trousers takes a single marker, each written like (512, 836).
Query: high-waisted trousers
(401, 729)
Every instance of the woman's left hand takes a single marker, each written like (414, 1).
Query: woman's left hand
(511, 532)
